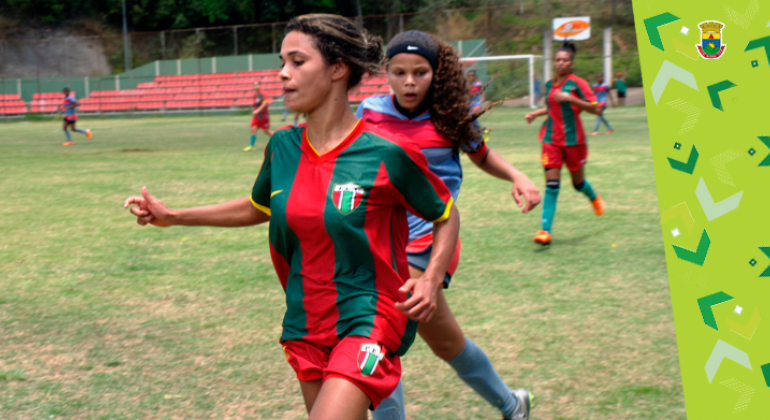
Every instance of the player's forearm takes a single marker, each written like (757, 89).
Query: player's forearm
(593, 108)
(235, 213)
(540, 112)
(497, 166)
(445, 236)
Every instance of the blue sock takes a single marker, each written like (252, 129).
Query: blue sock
(80, 130)
(549, 204)
(598, 123)
(474, 368)
(586, 189)
(67, 133)
(607, 123)
(252, 140)
(391, 408)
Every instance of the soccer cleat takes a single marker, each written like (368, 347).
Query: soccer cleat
(526, 403)
(598, 205)
(542, 237)
(68, 143)
(595, 133)
(88, 133)
(610, 131)
(248, 149)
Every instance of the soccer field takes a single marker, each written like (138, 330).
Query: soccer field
(103, 319)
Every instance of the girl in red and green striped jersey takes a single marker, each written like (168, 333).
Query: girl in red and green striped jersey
(432, 107)
(563, 136)
(336, 197)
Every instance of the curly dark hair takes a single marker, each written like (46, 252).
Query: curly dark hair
(339, 39)
(449, 96)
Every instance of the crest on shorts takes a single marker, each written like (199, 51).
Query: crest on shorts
(347, 197)
(369, 357)
(711, 45)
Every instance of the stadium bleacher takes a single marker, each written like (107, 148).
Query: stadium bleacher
(186, 92)
(12, 104)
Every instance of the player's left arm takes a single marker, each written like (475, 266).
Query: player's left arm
(492, 163)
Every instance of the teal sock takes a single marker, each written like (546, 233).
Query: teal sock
(81, 131)
(586, 189)
(549, 204)
(67, 133)
(252, 140)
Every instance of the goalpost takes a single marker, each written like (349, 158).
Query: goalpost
(531, 71)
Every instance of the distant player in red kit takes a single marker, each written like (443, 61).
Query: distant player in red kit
(563, 136)
(261, 117)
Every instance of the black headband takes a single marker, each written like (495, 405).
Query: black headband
(414, 48)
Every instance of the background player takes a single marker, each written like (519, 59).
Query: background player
(261, 117)
(563, 136)
(69, 109)
(436, 118)
(620, 86)
(477, 91)
(602, 91)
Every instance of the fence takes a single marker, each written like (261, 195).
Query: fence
(94, 63)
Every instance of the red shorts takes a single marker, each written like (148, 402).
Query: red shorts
(573, 156)
(71, 118)
(367, 364)
(260, 123)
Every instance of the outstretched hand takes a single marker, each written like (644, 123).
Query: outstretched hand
(422, 303)
(148, 209)
(524, 187)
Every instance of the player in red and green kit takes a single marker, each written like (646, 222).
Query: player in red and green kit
(563, 136)
(337, 197)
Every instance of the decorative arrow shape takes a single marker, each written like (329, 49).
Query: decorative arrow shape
(760, 43)
(745, 391)
(720, 165)
(766, 250)
(714, 92)
(688, 167)
(723, 351)
(652, 24)
(745, 331)
(766, 141)
(705, 303)
(712, 209)
(681, 210)
(766, 368)
(667, 72)
(691, 111)
(699, 255)
(743, 19)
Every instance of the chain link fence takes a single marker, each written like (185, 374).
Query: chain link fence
(34, 71)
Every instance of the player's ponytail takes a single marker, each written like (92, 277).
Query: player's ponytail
(340, 40)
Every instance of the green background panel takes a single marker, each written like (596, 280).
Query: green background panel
(723, 139)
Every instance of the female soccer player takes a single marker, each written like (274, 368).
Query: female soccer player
(602, 91)
(261, 117)
(336, 197)
(70, 111)
(563, 137)
(431, 108)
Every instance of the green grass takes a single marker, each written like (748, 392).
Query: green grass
(103, 319)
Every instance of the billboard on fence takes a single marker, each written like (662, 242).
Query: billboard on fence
(572, 28)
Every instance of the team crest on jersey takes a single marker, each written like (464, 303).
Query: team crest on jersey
(347, 197)
(711, 45)
(369, 357)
